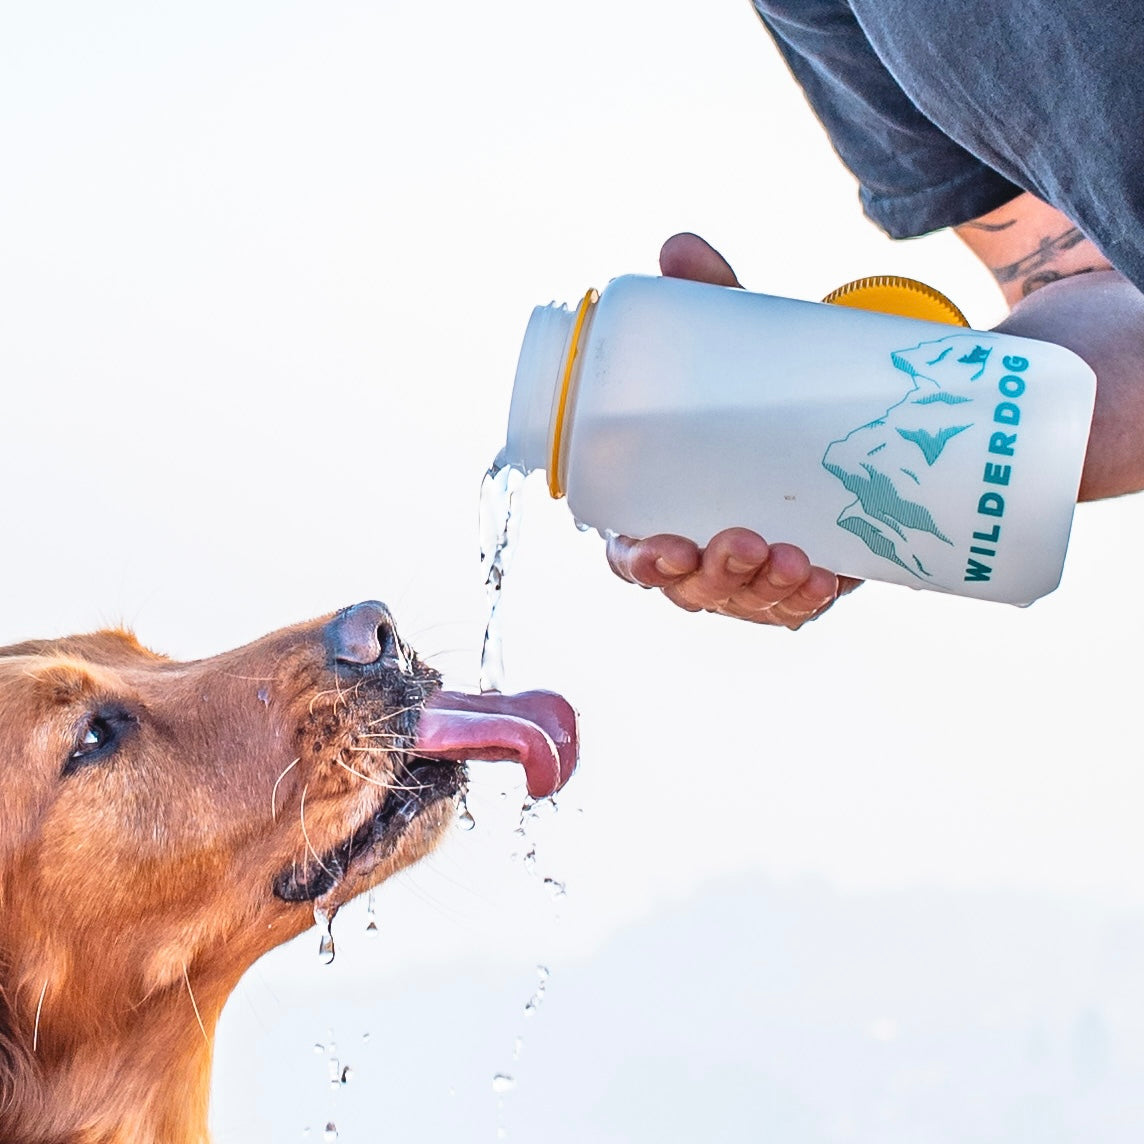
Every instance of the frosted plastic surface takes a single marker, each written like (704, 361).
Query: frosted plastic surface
(891, 449)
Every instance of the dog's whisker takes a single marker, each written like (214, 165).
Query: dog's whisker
(366, 778)
(195, 1006)
(337, 691)
(306, 836)
(39, 1009)
(394, 714)
(274, 792)
(407, 787)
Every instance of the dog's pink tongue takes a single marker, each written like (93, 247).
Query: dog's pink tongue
(536, 729)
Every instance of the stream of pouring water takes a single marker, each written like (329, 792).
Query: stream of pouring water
(499, 528)
(500, 525)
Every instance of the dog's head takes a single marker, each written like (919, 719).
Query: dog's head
(164, 823)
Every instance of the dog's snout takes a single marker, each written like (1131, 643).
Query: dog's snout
(361, 635)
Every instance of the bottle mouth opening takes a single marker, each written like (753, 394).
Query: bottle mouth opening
(556, 460)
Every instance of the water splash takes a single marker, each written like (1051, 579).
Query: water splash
(337, 1076)
(370, 915)
(505, 1082)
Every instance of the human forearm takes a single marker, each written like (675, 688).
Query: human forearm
(1062, 289)
(1100, 316)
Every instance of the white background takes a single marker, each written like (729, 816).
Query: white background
(264, 269)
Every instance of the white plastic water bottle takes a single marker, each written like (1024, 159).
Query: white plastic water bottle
(886, 447)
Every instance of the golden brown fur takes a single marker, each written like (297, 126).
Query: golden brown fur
(149, 812)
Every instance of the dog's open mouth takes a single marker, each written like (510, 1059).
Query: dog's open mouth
(536, 729)
(416, 787)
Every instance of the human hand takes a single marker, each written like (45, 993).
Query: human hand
(738, 574)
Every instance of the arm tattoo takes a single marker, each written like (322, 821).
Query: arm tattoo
(1047, 249)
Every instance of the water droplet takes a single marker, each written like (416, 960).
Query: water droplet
(534, 1002)
(529, 860)
(347, 1075)
(555, 888)
(517, 1045)
(543, 808)
(370, 914)
(330, 1134)
(319, 1049)
(365, 1036)
(326, 951)
(465, 820)
(503, 1082)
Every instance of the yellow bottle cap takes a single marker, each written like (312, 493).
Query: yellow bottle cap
(890, 294)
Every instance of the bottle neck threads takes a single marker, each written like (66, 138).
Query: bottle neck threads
(544, 390)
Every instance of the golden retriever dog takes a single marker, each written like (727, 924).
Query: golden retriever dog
(164, 824)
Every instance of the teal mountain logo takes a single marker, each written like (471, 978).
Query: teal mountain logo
(887, 464)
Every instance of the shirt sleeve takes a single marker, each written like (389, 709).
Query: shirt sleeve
(912, 177)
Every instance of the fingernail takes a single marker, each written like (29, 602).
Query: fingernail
(739, 567)
(667, 568)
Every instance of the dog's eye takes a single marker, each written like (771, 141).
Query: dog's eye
(99, 737)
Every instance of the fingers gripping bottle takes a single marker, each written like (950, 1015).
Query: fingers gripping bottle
(888, 447)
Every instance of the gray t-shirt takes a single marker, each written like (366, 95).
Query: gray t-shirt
(944, 110)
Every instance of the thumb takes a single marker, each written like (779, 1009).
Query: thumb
(689, 256)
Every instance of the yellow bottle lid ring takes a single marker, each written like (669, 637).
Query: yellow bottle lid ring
(905, 297)
(555, 486)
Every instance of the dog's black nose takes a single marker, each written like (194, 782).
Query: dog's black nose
(361, 635)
